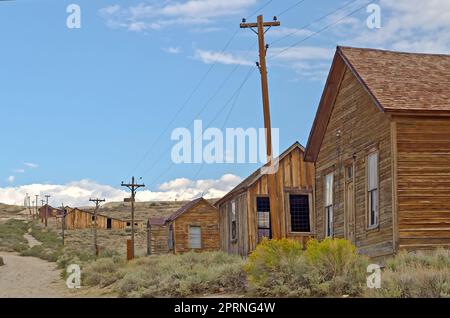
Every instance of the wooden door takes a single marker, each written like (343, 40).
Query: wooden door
(350, 205)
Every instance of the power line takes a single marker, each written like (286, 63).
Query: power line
(291, 7)
(227, 117)
(259, 9)
(180, 109)
(233, 96)
(314, 22)
(319, 31)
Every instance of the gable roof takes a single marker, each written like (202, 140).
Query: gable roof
(256, 175)
(187, 207)
(397, 82)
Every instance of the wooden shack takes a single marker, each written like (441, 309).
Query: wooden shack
(244, 213)
(81, 219)
(51, 212)
(381, 148)
(194, 227)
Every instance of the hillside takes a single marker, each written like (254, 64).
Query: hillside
(143, 210)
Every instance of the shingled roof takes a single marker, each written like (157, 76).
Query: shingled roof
(402, 82)
(398, 83)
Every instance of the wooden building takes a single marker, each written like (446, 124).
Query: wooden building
(244, 213)
(381, 148)
(195, 226)
(51, 212)
(81, 219)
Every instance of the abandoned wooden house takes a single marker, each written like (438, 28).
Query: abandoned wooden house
(244, 213)
(381, 148)
(80, 219)
(51, 212)
(195, 226)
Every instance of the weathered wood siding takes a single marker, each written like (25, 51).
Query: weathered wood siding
(356, 125)
(206, 217)
(78, 219)
(423, 182)
(240, 244)
(159, 239)
(294, 176)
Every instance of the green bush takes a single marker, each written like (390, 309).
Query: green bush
(11, 235)
(327, 268)
(182, 275)
(103, 272)
(420, 274)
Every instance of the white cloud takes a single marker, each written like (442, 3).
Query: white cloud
(209, 57)
(19, 170)
(158, 13)
(172, 50)
(78, 193)
(31, 165)
(11, 179)
(406, 28)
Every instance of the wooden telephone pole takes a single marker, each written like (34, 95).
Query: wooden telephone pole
(276, 208)
(63, 222)
(46, 208)
(37, 210)
(97, 205)
(132, 187)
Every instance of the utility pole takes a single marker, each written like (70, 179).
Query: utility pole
(132, 187)
(46, 208)
(63, 222)
(37, 212)
(97, 205)
(276, 209)
(42, 204)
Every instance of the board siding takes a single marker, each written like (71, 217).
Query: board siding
(423, 161)
(355, 126)
(294, 176)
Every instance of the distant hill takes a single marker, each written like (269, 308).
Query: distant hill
(143, 210)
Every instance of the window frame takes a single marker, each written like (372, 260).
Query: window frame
(189, 237)
(309, 193)
(257, 218)
(328, 209)
(233, 221)
(368, 192)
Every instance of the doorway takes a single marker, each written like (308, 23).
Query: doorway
(349, 204)
(108, 224)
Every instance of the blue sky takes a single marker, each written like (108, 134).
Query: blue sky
(87, 104)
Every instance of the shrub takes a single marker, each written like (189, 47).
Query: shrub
(103, 272)
(11, 235)
(421, 274)
(327, 268)
(182, 275)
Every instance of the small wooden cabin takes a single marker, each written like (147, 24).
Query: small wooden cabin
(195, 226)
(50, 211)
(81, 219)
(244, 213)
(380, 143)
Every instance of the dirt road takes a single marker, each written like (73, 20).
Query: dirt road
(30, 277)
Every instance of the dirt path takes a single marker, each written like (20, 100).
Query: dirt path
(31, 240)
(30, 277)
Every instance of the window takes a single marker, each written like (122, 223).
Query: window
(233, 226)
(170, 242)
(263, 212)
(372, 188)
(195, 237)
(329, 204)
(299, 207)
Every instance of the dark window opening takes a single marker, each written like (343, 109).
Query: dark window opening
(108, 224)
(263, 211)
(299, 205)
(170, 243)
(128, 223)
